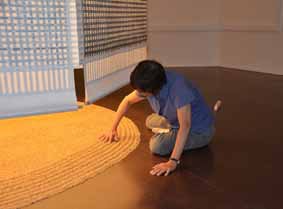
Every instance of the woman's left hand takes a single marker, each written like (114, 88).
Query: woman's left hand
(163, 168)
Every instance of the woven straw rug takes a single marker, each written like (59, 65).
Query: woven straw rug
(44, 155)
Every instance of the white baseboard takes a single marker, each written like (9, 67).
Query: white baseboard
(252, 69)
(251, 28)
(21, 105)
(216, 28)
(236, 67)
(108, 84)
(184, 28)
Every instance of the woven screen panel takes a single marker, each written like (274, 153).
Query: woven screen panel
(76, 35)
(35, 46)
(109, 25)
(114, 35)
(104, 64)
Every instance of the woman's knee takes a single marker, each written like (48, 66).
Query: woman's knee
(156, 121)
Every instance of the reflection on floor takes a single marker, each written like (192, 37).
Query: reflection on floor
(240, 169)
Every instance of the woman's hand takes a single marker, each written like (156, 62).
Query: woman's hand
(109, 136)
(164, 168)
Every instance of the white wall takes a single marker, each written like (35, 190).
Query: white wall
(244, 34)
(184, 32)
(252, 37)
(254, 51)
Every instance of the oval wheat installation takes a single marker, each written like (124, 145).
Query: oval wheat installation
(46, 154)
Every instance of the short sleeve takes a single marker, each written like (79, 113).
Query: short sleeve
(181, 93)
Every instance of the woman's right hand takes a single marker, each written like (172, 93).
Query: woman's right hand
(109, 136)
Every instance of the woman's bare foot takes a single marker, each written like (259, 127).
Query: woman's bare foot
(217, 106)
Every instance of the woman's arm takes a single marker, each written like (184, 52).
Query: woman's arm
(184, 118)
(129, 100)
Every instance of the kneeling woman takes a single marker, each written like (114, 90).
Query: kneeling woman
(182, 120)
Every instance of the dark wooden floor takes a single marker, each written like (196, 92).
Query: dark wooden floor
(241, 169)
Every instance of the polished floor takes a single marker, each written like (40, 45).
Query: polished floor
(241, 169)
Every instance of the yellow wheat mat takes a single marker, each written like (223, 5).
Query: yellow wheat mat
(44, 155)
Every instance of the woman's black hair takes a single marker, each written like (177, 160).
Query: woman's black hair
(148, 76)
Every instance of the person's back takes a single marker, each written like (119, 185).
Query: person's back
(179, 91)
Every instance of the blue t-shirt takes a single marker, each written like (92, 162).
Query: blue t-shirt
(176, 93)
